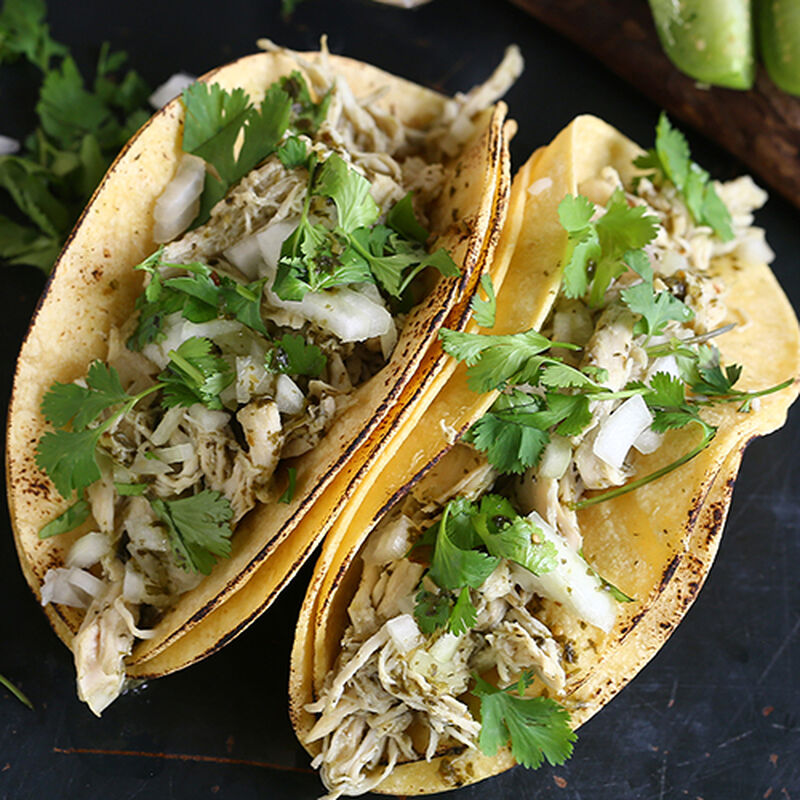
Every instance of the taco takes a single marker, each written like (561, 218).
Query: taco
(178, 409)
(473, 604)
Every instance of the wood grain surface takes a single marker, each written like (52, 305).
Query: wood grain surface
(761, 127)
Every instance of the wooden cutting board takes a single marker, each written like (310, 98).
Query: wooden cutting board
(761, 127)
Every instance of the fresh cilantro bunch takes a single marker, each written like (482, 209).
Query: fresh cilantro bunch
(217, 120)
(467, 544)
(356, 249)
(537, 728)
(81, 126)
(670, 160)
(202, 295)
(601, 250)
(198, 526)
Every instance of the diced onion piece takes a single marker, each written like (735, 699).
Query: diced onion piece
(556, 457)
(571, 583)
(753, 248)
(207, 419)
(86, 582)
(347, 314)
(620, 430)
(391, 543)
(539, 186)
(149, 466)
(288, 396)
(444, 648)
(648, 441)
(8, 146)
(179, 203)
(404, 632)
(666, 364)
(57, 589)
(168, 425)
(88, 550)
(176, 454)
(271, 239)
(171, 88)
(246, 256)
(133, 587)
(671, 262)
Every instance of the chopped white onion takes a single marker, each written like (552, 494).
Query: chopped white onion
(176, 454)
(86, 582)
(271, 239)
(444, 648)
(288, 396)
(391, 543)
(620, 430)
(666, 364)
(88, 550)
(70, 586)
(571, 583)
(8, 146)
(149, 466)
(404, 632)
(648, 441)
(556, 457)
(171, 88)
(133, 587)
(57, 589)
(347, 314)
(671, 262)
(207, 419)
(179, 203)
(168, 425)
(246, 256)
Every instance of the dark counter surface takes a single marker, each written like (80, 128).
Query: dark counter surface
(715, 715)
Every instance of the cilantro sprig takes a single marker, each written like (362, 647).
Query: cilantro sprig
(198, 528)
(356, 249)
(201, 295)
(467, 544)
(670, 160)
(233, 136)
(18, 693)
(80, 127)
(601, 250)
(537, 728)
(68, 454)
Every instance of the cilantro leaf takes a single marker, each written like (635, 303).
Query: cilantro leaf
(537, 727)
(288, 493)
(656, 309)
(23, 32)
(194, 375)
(509, 446)
(294, 356)
(307, 115)
(517, 542)
(70, 519)
(198, 528)
(494, 361)
(349, 191)
(463, 615)
(401, 218)
(670, 159)
(710, 378)
(68, 458)
(215, 119)
(597, 252)
(484, 311)
(292, 153)
(431, 610)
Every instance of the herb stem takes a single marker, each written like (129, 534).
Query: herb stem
(734, 396)
(710, 432)
(16, 692)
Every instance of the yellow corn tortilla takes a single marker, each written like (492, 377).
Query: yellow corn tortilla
(656, 543)
(94, 286)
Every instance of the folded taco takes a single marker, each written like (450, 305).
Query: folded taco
(232, 322)
(475, 603)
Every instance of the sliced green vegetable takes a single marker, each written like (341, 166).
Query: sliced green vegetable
(779, 37)
(709, 40)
